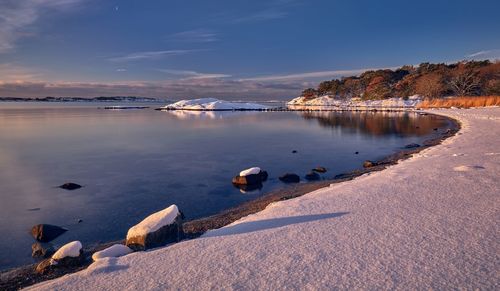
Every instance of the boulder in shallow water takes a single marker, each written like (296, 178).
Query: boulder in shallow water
(39, 250)
(70, 186)
(251, 176)
(412, 146)
(312, 176)
(290, 178)
(46, 232)
(158, 229)
(320, 169)
(369, 164)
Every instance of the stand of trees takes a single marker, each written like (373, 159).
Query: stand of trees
(467, 78)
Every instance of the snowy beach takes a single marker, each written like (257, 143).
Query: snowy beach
(428, 222)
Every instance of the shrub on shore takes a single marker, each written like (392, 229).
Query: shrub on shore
(461, 102)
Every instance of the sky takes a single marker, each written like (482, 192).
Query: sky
(228, 49)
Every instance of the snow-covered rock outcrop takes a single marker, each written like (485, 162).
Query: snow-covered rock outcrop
(72, 249)
(71, 254)
(158, 229)
(116, 250)
(326, 100)
(212, 104)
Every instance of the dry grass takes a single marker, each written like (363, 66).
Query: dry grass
(461, 102)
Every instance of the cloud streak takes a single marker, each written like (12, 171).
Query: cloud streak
(17, 15)
(150, 55)
(195, 35)
(193, 74)
(493, 54)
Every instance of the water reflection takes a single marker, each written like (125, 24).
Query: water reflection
(378, 123)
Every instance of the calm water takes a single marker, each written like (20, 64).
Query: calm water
(135, 162)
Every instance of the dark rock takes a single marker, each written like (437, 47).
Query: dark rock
(167, 234)
(294, 152)
(412, 145)
(320, 169)
(368, 164)
(46, 232)
(80, 220)
(44, 267)
(356, 153)
(39, 250)
(70, 186)
(312, 176)
(290, 178)
(253, 179)
(435, 129)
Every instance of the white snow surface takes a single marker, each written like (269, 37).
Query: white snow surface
(212, 104)
(250, 171)
(416, 225)
(71, 249)
(154, 222)
(116, 250)
(329, 101)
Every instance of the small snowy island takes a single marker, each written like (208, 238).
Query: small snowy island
(212, 104)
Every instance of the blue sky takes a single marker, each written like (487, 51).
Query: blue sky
(250, 50)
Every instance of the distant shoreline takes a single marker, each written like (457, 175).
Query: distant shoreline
(23, 276)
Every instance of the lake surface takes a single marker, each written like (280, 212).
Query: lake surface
(135, 162)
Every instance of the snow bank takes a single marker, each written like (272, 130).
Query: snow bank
(327, 100)
(71, 249)
(212, 104)
(116, 250)
(250, 171)
(154, 222)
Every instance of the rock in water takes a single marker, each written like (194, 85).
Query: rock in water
(312, 176)
(69, 255)
(46, 232)
(368, 164)
(320, 169)
(70, 186)
(412, 145)
(290, 178)
(251, 176)
(41, 251)
(156, 230)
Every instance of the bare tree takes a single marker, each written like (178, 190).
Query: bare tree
(465, 82)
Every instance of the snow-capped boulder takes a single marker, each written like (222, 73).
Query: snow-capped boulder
(212, 104)
(116, 250)
(289, 178)
(69, 255)
(251, 176)
(46, 232)
(156, 230)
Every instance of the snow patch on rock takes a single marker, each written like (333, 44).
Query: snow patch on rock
(250, 171)
(154, 222)
(71, 249)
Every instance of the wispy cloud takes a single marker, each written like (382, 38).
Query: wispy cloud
(17, 15)
(15, 73)
(195, 35)
(193, 74)
(150, 55)
(493, 54)
(311, 75)
(272, 10)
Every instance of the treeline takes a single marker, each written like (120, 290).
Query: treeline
(467, 78)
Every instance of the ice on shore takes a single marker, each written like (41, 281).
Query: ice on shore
(154, 222)
(116, 250)
(71, 249)
(250, 171)
(212, 104)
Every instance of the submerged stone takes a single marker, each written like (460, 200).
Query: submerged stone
(70, 186)
(46, 232)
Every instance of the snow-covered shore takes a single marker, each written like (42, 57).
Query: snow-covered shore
(429, 222)
(327, 101)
